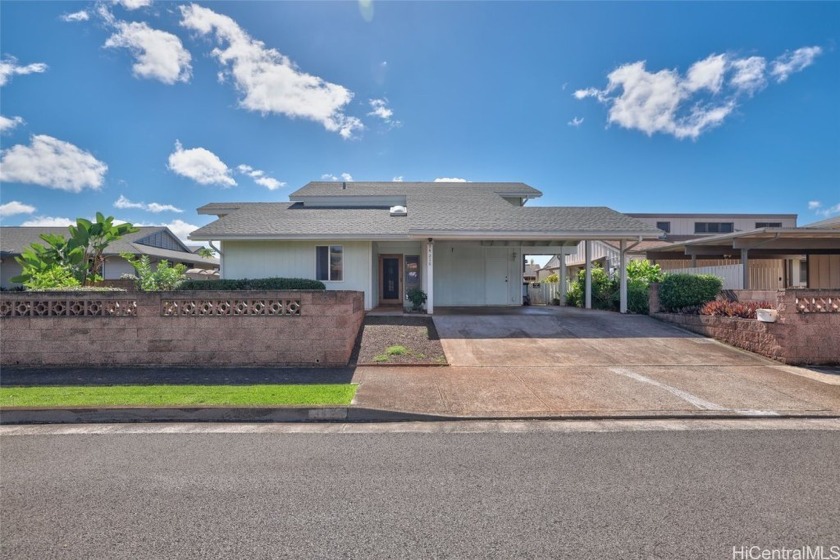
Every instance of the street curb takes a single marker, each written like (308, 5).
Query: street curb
(329, 414)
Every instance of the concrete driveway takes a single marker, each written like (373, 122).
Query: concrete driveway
(549, 361)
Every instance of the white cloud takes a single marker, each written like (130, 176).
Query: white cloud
(575, 122)
(790, 63)
(589, 92)
(133, 4)
(200, 165)
(706, 74)
(450, 180)
(260, 177)
(686, 106)
(269, 81)
(398, 179)
(330, 177)
(749, 74)
(820, 210)
(9, 67)
(15, 207)
(380, 109)
(52, 163)
(159, 55)
(7, 124)
(76, 16)
(48, 221)
(123, 202)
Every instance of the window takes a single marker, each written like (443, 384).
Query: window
(329, 263)
(664, 226)
(767, 224)
(713, 227)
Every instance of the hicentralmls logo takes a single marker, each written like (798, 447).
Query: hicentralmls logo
(807, 552)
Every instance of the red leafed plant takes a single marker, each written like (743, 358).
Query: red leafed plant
(745, 310)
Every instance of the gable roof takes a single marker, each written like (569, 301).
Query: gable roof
(441, 210)
(14, 239)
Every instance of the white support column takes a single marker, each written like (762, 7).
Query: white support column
(429, 276)
(587, 255)
(745, 263)
(622, 307)
(563, 276)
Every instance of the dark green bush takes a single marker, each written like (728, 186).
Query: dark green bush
(254, 284)
(637, 297)
(606, 290)
(685, 290)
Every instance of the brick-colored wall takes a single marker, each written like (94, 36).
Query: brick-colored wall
(807, 330)
(322, 334)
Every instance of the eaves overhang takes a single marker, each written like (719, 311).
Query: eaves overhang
(536, 235)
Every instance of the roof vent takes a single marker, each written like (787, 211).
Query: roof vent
(399, 211)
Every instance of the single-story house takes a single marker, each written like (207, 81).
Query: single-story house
(461, 243)
(158, 243)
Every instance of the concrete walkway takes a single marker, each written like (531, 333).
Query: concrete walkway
(571, 362)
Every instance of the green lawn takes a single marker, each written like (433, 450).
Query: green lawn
(177, 395)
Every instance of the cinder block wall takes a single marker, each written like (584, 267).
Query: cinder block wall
(807, 330)
(196, 328)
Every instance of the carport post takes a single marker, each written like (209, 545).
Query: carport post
(563, 276)
(622, 306)
(587, 255)
(745, 264)
(428, 278)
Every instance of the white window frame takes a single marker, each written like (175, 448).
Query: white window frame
(329, 268)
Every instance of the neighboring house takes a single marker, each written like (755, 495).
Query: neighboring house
(811, 256)
(767, 273)
(461, 243)
(531, 272)
(159, 243)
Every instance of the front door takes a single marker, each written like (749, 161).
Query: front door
(391, 273)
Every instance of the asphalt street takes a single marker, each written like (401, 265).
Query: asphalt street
(640, 493)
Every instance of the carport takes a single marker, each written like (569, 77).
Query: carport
(487, 272)
(819, 246)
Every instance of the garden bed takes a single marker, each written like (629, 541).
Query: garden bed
(400, 341)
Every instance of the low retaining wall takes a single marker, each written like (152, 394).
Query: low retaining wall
(213, 328)
(807, 330)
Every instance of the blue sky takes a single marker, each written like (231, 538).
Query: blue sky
(140, 109)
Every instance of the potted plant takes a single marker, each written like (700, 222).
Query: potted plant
(417, 297)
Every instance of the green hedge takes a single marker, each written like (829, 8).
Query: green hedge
(678, 291)
(254, 284)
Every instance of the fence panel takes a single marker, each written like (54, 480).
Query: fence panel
(731, 274)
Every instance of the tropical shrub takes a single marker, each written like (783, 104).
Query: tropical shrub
(163, 277)
(678, 291)
(80, 255)
(606, 290)
(725, 308)
(254, 284)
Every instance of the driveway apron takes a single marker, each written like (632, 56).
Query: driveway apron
(550, 361)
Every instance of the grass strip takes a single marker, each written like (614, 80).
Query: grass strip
(177, 395)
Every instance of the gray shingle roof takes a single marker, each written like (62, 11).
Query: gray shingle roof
(439, 209)
(14, 239)
(360, 188)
